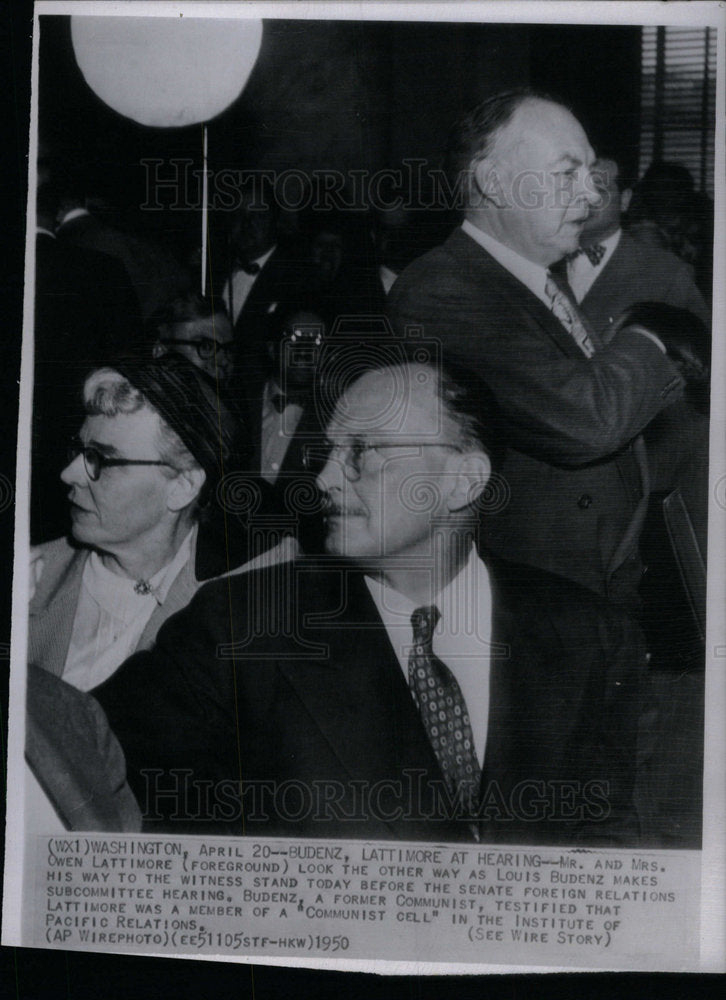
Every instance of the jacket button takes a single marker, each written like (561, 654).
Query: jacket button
(584, 501)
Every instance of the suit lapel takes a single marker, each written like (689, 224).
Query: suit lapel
(499, 282)
(618, 270)
(359, 700)
(52, 613)
(180, 594)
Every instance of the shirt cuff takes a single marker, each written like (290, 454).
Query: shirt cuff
(651, 336)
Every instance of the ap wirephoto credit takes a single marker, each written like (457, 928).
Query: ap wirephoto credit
(368, 600)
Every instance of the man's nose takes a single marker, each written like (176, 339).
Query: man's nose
(332, 475)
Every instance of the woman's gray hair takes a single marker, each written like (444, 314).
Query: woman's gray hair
(107, 393)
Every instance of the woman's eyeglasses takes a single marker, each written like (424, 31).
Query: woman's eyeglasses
(95, 461)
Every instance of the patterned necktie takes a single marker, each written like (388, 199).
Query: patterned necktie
(594, 253)
(568, 314)
(443, 711)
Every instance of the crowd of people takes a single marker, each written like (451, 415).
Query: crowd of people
(377, 538)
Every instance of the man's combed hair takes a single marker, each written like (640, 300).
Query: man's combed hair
(473, 136)
(107, 393)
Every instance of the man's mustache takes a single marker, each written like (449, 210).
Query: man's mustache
(331, 508)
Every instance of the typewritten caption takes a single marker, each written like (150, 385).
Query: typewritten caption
(358, 900)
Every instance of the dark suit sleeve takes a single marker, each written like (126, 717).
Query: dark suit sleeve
(684, 294)
(559, 407)
(173, 710)
(75, 757)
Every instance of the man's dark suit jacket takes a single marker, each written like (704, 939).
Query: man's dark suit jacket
(280, 281)
(571, 484)
(154, 274)
(286, 681)
(294, 494)
(640, 272)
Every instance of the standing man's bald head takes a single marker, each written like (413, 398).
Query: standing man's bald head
(524, 162)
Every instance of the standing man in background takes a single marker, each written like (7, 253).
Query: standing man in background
(575, 481)
(612, 270)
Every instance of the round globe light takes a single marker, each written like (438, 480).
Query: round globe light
(166, 72)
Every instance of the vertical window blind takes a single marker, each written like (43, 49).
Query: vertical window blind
(678, 95)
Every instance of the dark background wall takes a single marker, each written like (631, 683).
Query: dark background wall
(347, 95)
(411, 126)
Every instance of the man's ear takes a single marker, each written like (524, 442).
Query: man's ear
(625, 196)
(185, 487)
(486, 184)
(158, 350)
(470, 474)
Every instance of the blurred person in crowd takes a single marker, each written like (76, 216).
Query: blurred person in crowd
(283, 403)
(668, 212)
(85, 219)
(612, 270)
(260, 272)
(194, 326)
(283, 411)
(343, 273)
(85, 313)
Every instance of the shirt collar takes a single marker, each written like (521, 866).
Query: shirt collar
(109, 588)
(532, 275)
(265, 257)
(45, 232)
(458, 602)
(74, 213)
(611, 244)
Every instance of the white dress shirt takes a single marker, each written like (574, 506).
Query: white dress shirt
(532, 275)
(74, 213)
(387, 278)
(111, 617)
(242, 283)
(462, 638)
(278, 430)
(582, 273)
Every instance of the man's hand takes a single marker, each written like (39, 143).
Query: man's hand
(683, 336)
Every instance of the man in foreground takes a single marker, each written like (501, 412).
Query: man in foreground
(400, 687)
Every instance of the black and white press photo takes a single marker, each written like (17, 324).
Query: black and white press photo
(368, 599)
